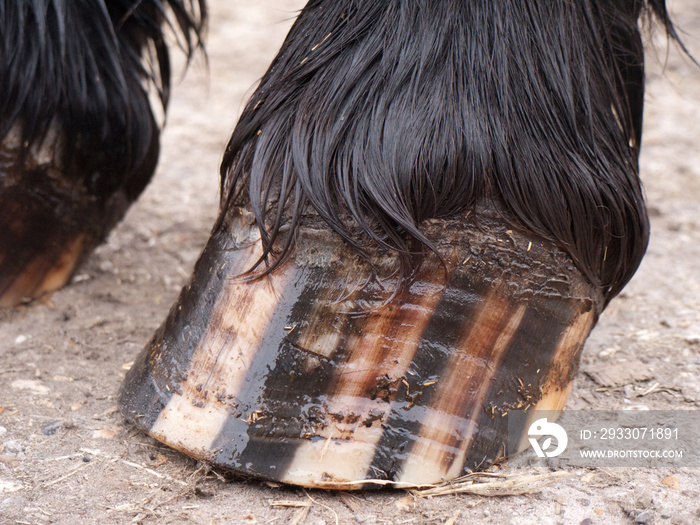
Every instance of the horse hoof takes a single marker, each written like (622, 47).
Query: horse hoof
(51, 222)
(78, 140)
(384, 134)
(316, 376)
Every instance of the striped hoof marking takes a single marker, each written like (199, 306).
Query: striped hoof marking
(315, 376)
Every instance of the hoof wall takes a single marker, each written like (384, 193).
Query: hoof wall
(310, 377)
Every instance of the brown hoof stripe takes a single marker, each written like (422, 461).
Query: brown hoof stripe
(306, 377)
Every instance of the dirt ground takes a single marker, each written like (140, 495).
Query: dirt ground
(67, 456)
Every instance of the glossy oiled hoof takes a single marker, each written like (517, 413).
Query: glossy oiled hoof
(309, 376)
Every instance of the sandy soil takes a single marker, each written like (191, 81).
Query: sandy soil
(67, 456)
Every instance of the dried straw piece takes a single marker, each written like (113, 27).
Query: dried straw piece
(509, 486)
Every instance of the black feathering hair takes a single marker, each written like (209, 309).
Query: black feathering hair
(382, 114)
(85, 67)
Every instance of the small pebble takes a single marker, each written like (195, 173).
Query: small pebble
(104, 433)
(9, 460)
(34, 386)
(86, 459)
(12, 446)
(643, 502)
(107, 267)
(693, 339)
(360, 518)
(7, 486)
(587, 521)
(672, 482)
(3, 431)
(49, 429)
(405, 504)
(20, 339)
(487, 513)
(643, 517)
(607, 353)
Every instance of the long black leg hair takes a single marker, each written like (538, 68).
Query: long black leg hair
(85, 67)
(379, 115)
